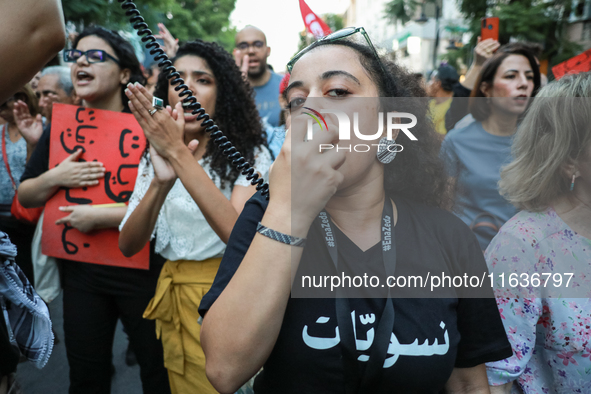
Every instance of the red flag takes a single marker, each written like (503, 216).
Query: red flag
(313, 23)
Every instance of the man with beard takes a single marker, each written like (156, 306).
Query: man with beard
(251, 55)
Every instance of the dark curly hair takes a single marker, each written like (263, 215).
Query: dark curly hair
(417, 173)
(124, 52)
(235, 110)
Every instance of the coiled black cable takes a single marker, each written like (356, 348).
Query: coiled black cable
(221, 141)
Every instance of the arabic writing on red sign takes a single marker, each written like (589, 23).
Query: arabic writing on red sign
(116, 140)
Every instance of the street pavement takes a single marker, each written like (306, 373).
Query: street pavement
(53, 378)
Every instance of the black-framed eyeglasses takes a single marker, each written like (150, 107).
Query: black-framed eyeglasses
(92, 55)
(243, 46)
(337, 35)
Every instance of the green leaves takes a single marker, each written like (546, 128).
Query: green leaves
(536, 21)
(186, 19)
(204, 19)
(402, 10)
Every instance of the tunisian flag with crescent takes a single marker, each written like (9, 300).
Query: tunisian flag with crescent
(313, 23)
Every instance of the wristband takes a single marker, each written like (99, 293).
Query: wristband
(280, 237)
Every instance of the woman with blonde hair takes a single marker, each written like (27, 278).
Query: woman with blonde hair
(550, 239)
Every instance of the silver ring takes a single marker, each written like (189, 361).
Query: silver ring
(153, 111)
(157, 103)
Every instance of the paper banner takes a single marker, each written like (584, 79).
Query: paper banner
(116, 140)
(574, 65)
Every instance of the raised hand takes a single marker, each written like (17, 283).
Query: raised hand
(484, 50)
(163, 131)
(29, 127)
(317, 177)
(163, 170)
(71, 173)
(241, 62)
(171, 44)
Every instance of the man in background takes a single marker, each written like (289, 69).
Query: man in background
(251, 53)
(55, 86)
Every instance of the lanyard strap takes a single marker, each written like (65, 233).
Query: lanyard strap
(370, 381)
(5, 156)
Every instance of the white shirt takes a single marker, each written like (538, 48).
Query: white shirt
(182, 232)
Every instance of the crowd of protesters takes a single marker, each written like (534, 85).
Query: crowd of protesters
(497, 181)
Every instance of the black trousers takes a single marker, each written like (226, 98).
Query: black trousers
(9, 355)
(89, 325)
(21, 234)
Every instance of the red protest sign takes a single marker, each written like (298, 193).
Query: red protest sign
(116, 140)
(313, 23)
(574, 65)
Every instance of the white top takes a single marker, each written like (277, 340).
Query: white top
(181, 229)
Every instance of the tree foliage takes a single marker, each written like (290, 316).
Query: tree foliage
(401, 10)
(537, 21)
(204, 19)
(186, 19)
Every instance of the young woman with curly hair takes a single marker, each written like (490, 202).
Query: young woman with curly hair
(188, 196)
(339, 202)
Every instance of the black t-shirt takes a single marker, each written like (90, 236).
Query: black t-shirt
(94, 277)
(307, 357)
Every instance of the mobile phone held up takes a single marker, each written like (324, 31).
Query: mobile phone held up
(489, 28)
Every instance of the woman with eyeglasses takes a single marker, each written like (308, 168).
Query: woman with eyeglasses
(17, 145)
(341, 212)
(96, 296)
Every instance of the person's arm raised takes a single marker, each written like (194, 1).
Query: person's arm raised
(34, 192)
(483, 51)
(32, 33)
(240, 329)
(166, 136)
(30, 128)
(138, 228)
(171, 44)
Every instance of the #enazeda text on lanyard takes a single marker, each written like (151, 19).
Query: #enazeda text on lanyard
(355, 381)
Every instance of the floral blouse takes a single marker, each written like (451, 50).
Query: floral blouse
(550, 336)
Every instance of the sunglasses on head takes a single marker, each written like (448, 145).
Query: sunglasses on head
(337, 35)
(92, 55)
